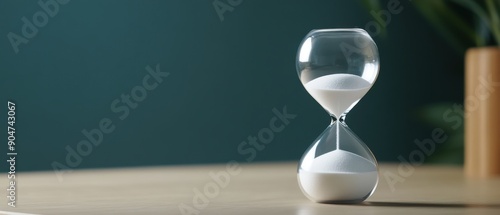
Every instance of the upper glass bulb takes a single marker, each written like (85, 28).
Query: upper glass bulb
(337, 67)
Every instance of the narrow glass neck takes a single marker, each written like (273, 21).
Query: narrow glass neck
(340, 119)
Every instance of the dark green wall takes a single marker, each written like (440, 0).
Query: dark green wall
(225, 79)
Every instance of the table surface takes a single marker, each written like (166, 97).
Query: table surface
(264, 188)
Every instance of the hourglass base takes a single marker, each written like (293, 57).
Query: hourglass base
(339, 188)
(338, 167)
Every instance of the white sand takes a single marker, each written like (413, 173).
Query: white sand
(330, 187)
(337, 92)
(341, 161)
(338, 176)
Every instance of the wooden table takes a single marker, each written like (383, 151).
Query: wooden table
(264, 188)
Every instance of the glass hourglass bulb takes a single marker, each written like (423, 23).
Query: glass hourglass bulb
(338, 67)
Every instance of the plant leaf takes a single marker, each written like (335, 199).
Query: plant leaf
(475, 8)
(495, 19)
(374, 5)
(455, 29)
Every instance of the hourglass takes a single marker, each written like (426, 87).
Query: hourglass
(338, 67)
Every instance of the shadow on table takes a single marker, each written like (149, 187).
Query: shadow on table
(429, 205)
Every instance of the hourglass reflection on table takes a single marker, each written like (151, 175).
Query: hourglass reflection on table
(338, 67)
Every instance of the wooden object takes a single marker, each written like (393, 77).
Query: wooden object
(482, 112)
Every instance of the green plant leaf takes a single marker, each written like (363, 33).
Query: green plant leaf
(449, 152)
(495, 19)
(455, 29)
(434, 116)
(374, 5)
(475, 8)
